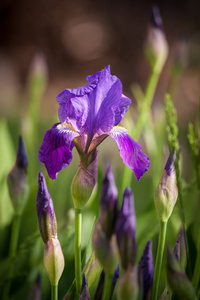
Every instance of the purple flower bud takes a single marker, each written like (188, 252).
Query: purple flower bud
(84, 295)
(39, 65)
(128, 285)
(156, 45)
(179, 249)
(166, 192)
(36, 290)
(17, 180)
(108, 203)
(105, 248)
(125, 229)
(22, 159)
(156, 19)
(177, 279)
(53, 260)
(169, 167)
(99, 290)
(146, 270)
(84, 180)
(45, 211)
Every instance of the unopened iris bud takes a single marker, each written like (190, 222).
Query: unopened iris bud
(45, 211)
(166, 192)
(99, 290)
(128, 285)
(179, 250)
(36, 290)
(39, 65)
(146, 270)
(156, 45)
(84, 181)
(108, 203)
(17, 180)
(125, 229)
(177, 279)
(105, 249)
(84, 295)
(53, 260)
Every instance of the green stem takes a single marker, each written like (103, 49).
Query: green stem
(14, 235)
(12, 252)
(159, 258)
(196, 275)
(78, 229)
(107, 287)
(54, 292)
(148, 97)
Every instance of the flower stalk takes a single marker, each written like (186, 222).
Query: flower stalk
(53, 256)
(107, 286)
(77, 249)
(54, 292)
(165, 199)
(19, 191)
(159, 259)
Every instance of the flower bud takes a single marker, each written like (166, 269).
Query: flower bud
(17, 180)
(84, 181)
(36, 290)
(108, 203)
(166, 192)
(177, 279)
(105, 249)
(146, 270)
(99, 290)
(128, 285)
(156, 45)
(53, 260)
(180, 251)
(39, 65)
(45, 211)
(125, 229)
(84, 295)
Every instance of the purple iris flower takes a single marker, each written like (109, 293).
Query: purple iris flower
(87, 116)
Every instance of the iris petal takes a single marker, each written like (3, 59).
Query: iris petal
(122, 109)
(130, 151)
(56, 149)
(96, 107)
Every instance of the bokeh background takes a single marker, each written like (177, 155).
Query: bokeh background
(81, 37)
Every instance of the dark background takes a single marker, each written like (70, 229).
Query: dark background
(81, 37)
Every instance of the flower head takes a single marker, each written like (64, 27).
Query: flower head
(125, 229)
(177, 279)
(45, 210)
(108, 203)
(166, 193)
(84, 295)
(87, 116)
(156, 45)
(146, 269)
(17, 180)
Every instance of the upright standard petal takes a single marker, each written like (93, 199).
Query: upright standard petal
(95, 107)
(56, 149)
(130, 151)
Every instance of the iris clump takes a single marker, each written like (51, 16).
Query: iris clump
(87, 116)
